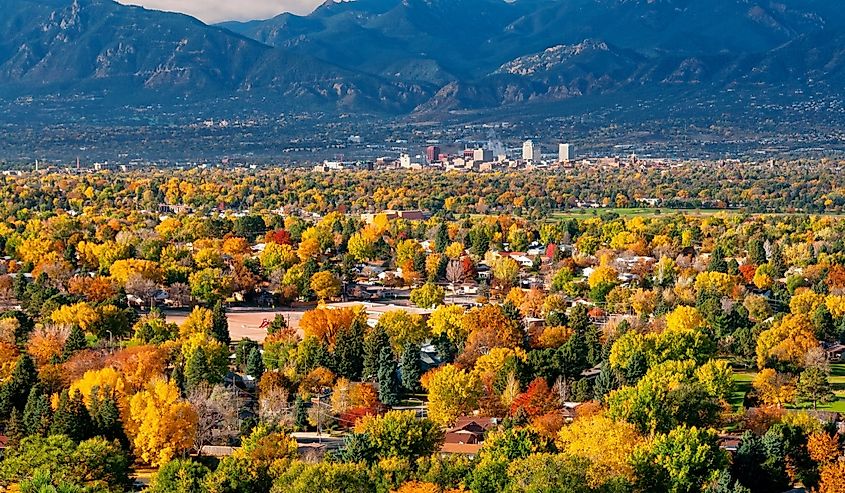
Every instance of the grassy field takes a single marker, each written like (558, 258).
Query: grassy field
(743, 379)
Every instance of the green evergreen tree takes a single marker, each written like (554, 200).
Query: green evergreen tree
(388, 385)
(823, 323)
(106, 418)
(300, 416)
(717, 261)
(410, 368)
(220, 324)
(446, 349)
(37, 413)
(15, 429)
(242, 352)
(72, 418)
(255, 364)
(756, 251)
(349, 350)
(592, 339)
(606, 381)
(441, 238)
(16, 391)
(178, 375)
(277, 325)
(75, 342)
(375, 342)
(777, 261)
(196, 368)
(512, 311)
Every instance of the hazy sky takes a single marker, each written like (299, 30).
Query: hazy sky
(211, 11)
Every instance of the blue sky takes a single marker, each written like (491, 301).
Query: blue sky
(211, 11)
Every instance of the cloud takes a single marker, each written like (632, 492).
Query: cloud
(211, 11)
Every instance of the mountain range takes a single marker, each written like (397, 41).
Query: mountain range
(424, 57)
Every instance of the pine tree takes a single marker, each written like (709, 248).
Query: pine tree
(300, 416)
(446, 349)
(605, 381)
(410, 367)
(220, 324)
(717, 261)
(441, 238)
(756, 251)
(178, 375)
(72, 418)
(242, 351)
(37, 413)
(278, 324)
(75, 342)
(388, 386)
(777, 261)
(196, 368)
(15, 429)
(349, 350)
(106, 419)
(592, 338)
(255, 364)
(375, 342)
(16, 391)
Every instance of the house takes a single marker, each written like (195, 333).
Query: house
(834, 352)
(467, 435)
(523, 260)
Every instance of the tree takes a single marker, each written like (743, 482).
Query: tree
(679, 462)
(71, 417)
(410, 368)
(505, 272)
(786, 342)
(349, 350)
(429, 295)
(15, 392)
(388, 386)
(446, 320)
(401, 434)
(95, 464)
(607, 445)
(206, 360)
(403, 328)
(325, 285)
(196, 368)
(161, 424)
(300, 416)
(552, 473)
(717, 261)
(220, 323)
(75, 342)
(814, 386)
(37, 414)
(832, 478)
(668, 395)
(488, 327)
(210, 285)
(217, 414)
(105, 417)
(451, 393)
(254, 364)
(179, 476)
(324, 323)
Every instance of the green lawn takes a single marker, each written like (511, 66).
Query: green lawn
(743, 379)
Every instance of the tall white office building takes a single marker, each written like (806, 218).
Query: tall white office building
(530, 152)
(565, 153)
